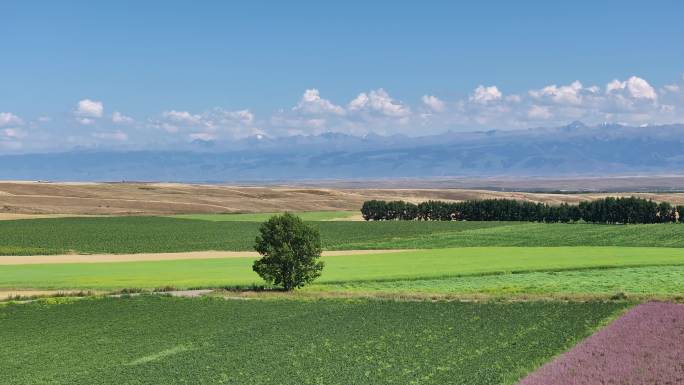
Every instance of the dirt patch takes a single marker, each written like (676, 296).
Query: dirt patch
(105, 258)
(11, 217)
(8, 294)
(168, 198)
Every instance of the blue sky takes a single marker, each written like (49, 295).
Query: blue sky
(164, 71)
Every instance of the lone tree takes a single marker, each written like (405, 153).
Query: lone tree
(290, 250)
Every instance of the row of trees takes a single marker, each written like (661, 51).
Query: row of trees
(607, 210)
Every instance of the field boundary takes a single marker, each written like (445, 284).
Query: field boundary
(145, 257)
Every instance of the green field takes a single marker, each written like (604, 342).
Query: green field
(525, 234)
(163, 340)
(261, 217)
(649, 281)
(160, 234)
(409, 265)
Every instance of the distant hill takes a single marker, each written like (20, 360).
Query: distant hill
(571, 150)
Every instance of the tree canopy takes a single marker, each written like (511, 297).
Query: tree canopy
(290, 252)
(606, 210)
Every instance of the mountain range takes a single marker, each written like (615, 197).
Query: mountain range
(572, 150)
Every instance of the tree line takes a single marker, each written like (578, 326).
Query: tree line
(608, 210)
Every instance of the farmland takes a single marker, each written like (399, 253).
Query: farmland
(178, 341)
(373, 269)
(260, 217)
(532, 291)
(161, 234)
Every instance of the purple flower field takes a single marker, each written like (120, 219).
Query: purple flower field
(644, 346)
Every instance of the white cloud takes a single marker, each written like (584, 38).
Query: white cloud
(539, 113)
(85, 121)
(217, 123)
(671, 88)
(634, 87)
(183, 117)
(119, 118)
(312, 103)
(379, 101)
(570, 94)
(484, 95)
(118, 136)
(9, 119)
(206, 136)
(89, 109)
(13, 133)
(433, 103)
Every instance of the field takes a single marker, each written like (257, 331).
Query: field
(407, 270)
(260, 217)
(455, 302)
(117, 235)
(159, 234)
(179, 198)
(162, 340)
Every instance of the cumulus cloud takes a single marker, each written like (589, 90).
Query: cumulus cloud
(9, 119)
(119, 118)
(312, 103)
(631, 100)
(89, 109)
(433, 103)
(379, 101)
(182, 117)
(484, 95)
(634, 87)
(570, 94)
(217, 123)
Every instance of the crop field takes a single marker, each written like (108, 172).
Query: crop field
(163, 340)
(648, 281)
(409, 265)
(160, 234)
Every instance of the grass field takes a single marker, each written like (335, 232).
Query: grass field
(648, 281)
(261, 217)
(540, 234)
(161, 234)
(410, 265)
(161, 340)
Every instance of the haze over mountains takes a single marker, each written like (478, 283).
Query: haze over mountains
(571, 150)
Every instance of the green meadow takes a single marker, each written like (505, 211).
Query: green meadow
(409, 265)
(163, 234)
(116, 235)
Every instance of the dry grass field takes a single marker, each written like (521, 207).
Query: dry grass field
(38, 198)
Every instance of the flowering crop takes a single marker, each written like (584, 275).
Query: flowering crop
(645, 346)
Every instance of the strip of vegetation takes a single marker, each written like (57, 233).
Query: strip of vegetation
(665, 281)
(608, 210)
(117, 235)
(539, 235)
(418, 264)
(164, 340)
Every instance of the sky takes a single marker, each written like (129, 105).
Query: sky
(138, 74)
